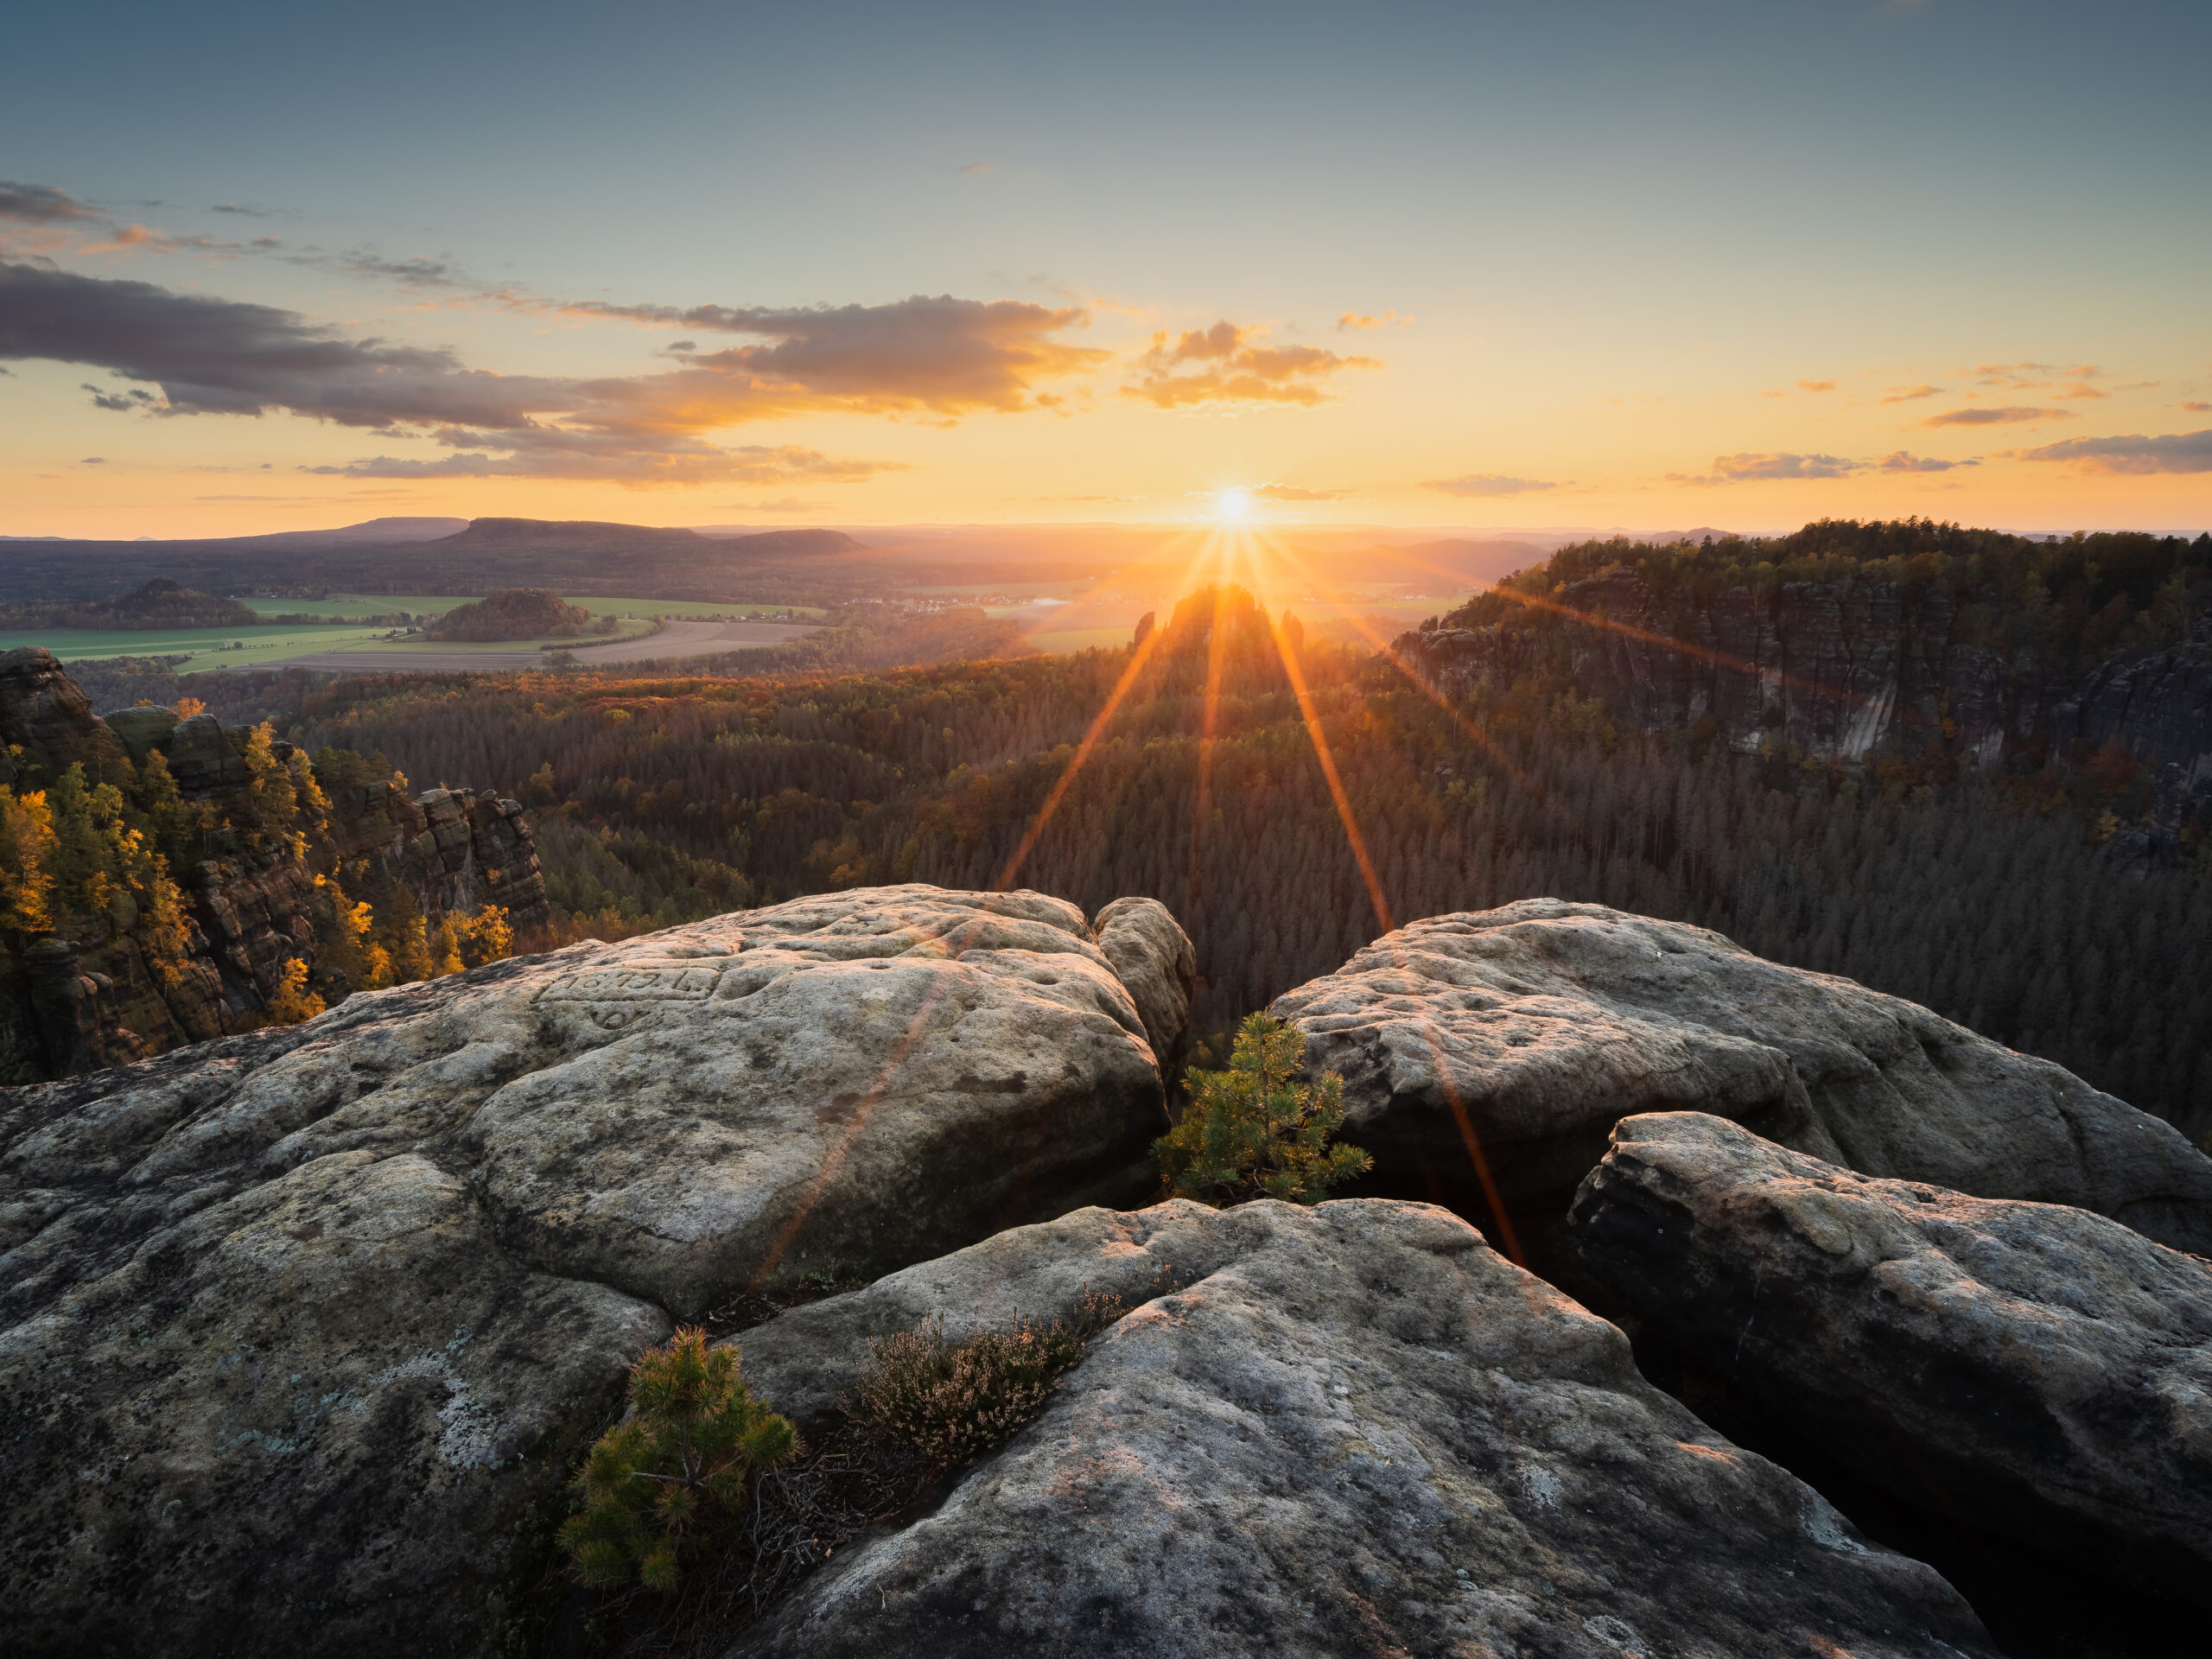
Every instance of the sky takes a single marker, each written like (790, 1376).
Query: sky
(1539, 264)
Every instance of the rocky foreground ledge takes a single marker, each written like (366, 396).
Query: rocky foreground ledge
(301, 1330)
(299, 1324)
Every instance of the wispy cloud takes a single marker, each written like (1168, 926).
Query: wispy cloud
(1909, 394)
(1226, 364)
(2175, 451)
(1902, 462)
(1749, 467)
(1488, 484)
(2009, 416)
(1358, 320)
(1292, 492)
(1816, 386)
(2195, 407)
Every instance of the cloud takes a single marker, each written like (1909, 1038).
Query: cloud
(212, 356)
(1748, 467)
(93, 461)
(947, 356)
(1291, 492)
(418, 272)
(2196, 408)
(1902, 462)
(614, 457)
(1816, 386)
(980, 167)
(2083, 389)
(245, 209)
(38, 204)
(2006, 416)
(786, 504)
(2177, 452)
(1355, 319)
(1226, 364)
(1488, 483)
(1907, 394)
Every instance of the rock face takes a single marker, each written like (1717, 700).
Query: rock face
(1154, 958)
(1352, 1429)
(294, 1326)
(1834, 670)
(2045, 1372)
(1532, 1029)
(80, 1001)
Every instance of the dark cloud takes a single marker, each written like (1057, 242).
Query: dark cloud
(122, 401)
(1488, 483)
(945, 355)
(245, 209)
(213, 356)
(1226, 364)
(2177, 452)
(2007, 416)
(40, 205)
(1292, 492)
(418, 272)
(1904, 462)
(93, 461)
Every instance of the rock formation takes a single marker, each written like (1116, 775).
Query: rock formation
(296, 1326)
(1528, 1030)
(1843, 670)
(77, 1001)
(2044, 1371)
(1349, 1429)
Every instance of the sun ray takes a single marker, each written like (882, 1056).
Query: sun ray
(1138, 658)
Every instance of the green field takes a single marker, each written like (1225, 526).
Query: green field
(203, 645)
(439, 604)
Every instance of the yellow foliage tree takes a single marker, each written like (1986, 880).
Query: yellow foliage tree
(26, 861)
(293, 1001)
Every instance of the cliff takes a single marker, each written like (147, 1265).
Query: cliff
(182, 867)
(1845, 669)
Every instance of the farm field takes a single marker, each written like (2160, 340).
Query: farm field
(439, 604)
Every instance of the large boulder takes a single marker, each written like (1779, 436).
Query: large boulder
(1154, 958)
(1348, 1429)
(2028, 1369)
(297, 1327)
(1524, 1034)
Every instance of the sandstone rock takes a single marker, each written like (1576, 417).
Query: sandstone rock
(1352, 1429)
(43, 713)
(1535, 1028)
(2030, 1370)
(295, 1326)
(1153, 957)
(141, 730)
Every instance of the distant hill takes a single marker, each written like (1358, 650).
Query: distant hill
(635, 561)
(513, 613)
(160, 603)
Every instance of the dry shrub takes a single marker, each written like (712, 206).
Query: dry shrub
(955, 1400)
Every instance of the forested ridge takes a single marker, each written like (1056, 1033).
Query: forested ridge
(2073, 601)
(662, 796)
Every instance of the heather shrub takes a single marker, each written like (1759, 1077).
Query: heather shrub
(954, 1401)
(1250, 1132)
(667, 1479)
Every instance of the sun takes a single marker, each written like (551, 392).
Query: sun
(1233, 506)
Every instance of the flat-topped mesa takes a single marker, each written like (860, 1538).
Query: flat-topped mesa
(1524, 1034)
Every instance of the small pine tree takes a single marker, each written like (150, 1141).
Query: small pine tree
(659, 1484)
(1251, 1132)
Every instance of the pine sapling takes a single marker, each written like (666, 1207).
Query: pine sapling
(662, 1482)
(1250, 1132)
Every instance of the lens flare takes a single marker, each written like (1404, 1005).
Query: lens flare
(1233, 506)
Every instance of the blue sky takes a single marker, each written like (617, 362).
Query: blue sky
(1600, 237)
